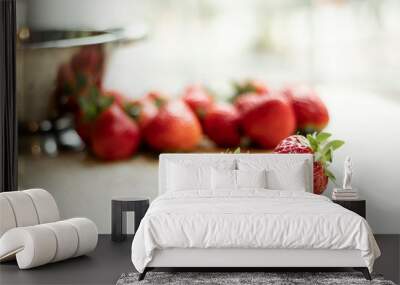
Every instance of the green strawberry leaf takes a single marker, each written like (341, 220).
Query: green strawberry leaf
(93, 103)
(241, 88)
(313, 143)
(331, 146)
(88, 108)
(322, 137)
(159, 102)
(93, 93)
(328, 155)
(237, 150)
(133, 109)
(81, 81)
(323, 150)
(103, 102)
(335, 144)
(330, 152)
(330, 175)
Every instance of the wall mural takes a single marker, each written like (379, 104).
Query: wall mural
(98, 100)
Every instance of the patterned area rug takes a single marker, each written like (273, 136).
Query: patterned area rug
(269, 278)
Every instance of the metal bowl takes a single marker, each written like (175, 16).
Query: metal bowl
(41, 53)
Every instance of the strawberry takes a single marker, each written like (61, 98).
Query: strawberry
(250, 86)
(311, 113)
(83, 127)
(90, 61)
(221, 125)
(174, 128)
(269, 121)
(321, 148)
(320, 179)
(89, 107)
(66, 79)
(67, 87)
(294, 144)
(114, 135)
(142, 110)
(118, 97)
(198, 99)
(247, 101)
(70, 86)
(92, 102)
(157, 98)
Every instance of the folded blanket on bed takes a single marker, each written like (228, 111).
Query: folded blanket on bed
(250, 219)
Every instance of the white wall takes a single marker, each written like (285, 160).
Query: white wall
(370, 125)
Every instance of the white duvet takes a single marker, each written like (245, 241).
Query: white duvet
(250, 219)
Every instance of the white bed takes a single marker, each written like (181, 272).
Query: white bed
(248, 227)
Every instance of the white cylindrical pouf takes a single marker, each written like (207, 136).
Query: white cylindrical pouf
(33, 246)
(67, 240)
(87, 234)
(7, 218)
(23, 208)
(45, 205)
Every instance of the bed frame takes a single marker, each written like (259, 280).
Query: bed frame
(234, 259)
(249, 259)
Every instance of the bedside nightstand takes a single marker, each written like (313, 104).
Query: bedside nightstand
(357, 206)
(119, 207)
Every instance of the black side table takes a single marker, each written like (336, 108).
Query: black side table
(357, 206)
(121, 205)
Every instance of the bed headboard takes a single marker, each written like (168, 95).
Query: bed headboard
(273, 159)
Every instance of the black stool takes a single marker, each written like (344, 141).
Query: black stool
(121, 205)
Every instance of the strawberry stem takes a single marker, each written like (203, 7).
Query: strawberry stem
(94, 103)
(323, 150)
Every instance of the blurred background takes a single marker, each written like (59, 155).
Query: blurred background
(347, 50)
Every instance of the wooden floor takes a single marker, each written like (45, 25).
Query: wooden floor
(110, 260)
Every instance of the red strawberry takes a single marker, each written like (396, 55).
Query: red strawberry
(174, 128)
(92, 102)
(142, 111)
(320, 179)
(311, 113)
(119, 98)
(247, 101)
(83, 127)
(322, 149)
(90, 61)
(250, 86)
(269, 121)
(114, 135)
(198, 99)
(221, 124)
(294, 144)
(71, 86)
(65, 89)
(66, 79)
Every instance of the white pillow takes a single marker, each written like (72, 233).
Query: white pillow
(251, 178)
(188, 177)
(223, 179)
(292, 179)
(288, 173)
(230, 180)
